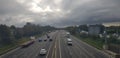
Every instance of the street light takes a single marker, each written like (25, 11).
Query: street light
(105, 37)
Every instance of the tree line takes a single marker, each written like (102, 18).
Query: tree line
(111, 30)
(9, 35)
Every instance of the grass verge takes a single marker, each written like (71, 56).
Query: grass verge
(95, 43)
(22, 40)
(5, 48)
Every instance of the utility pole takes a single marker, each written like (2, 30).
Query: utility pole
(105, 38)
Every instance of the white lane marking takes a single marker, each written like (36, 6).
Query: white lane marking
(55, 48)
(49, 50)
(53, 53)
(93, 47)
(50, 47)
(39, 47)
(84, 49)
(70, 53)
(79, 48)
(60, 49)
(10, 52)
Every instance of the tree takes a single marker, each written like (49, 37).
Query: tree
(83, 27)
(11, 34)
(5, 34)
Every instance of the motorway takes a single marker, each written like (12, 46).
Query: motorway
(57, 48)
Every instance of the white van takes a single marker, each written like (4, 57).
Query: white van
(67, 34)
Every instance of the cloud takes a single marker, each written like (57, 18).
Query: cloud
(59, 12)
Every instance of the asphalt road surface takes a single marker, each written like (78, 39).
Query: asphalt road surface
(57, 48)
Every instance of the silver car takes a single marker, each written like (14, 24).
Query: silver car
(43, 52)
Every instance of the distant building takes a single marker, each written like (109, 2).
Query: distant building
(119, 38)
(83, 32)
(95, 29)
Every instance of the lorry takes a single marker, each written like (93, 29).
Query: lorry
(28, 43)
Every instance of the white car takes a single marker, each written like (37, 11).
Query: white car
(43, 51)
(69, 41)
(67, 34)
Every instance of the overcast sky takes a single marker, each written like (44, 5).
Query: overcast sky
(59, 12)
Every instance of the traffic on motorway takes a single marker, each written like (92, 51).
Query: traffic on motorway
(59, 28)
(58, 44)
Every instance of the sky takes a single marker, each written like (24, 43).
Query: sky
(59, 13)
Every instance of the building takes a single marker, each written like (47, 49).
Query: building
(95, 29)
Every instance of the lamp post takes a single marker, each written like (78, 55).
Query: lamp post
(105, 38)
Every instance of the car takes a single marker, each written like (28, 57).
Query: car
(43, 52)
(67, 34)
(45, 39)
(40, 40)
(50, 39)
(69, 41)
(48, 36)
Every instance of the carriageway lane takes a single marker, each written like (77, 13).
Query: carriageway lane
(58, 48)
(53, 51)
(79, 49)
(31, 51)
(73, 51)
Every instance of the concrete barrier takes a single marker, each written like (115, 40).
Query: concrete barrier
(117, 56)
(113, 55)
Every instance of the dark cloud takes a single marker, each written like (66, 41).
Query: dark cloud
(95, 12)
(10, 7)
(59, 12)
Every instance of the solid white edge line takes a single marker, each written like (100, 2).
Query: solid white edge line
(60, 49)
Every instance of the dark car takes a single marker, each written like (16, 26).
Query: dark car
(45, 39)
(40, 40)
(48, 36)
(50, 39)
